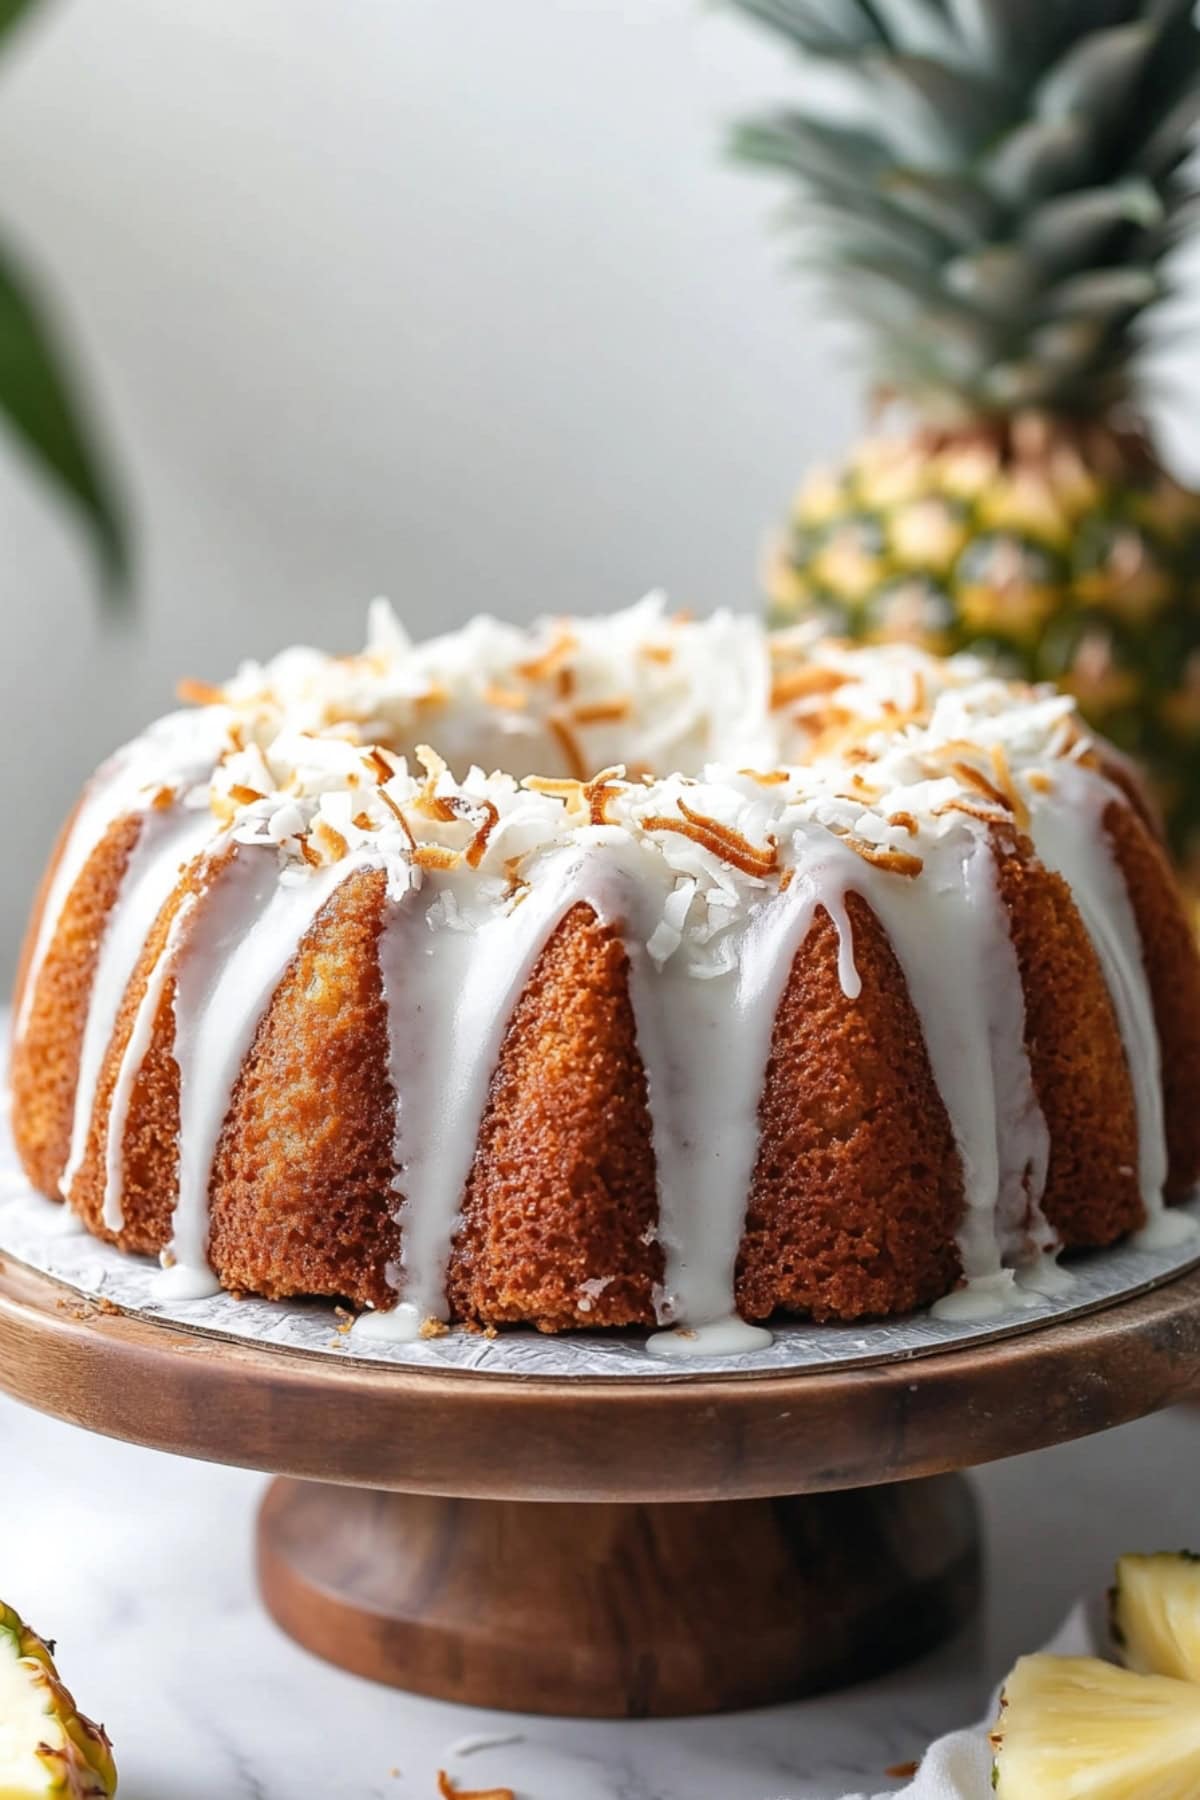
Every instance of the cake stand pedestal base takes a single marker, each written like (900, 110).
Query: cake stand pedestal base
(614, 1610)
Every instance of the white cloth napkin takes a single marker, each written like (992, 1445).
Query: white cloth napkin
(959, 1765)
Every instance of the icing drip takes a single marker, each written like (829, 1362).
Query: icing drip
(875, 773)
(950, 934)
(450, 994)
(179, 749)
(167, 840)
(242, 937)
(705, 1044)
(132, 1058)
(1070, 838)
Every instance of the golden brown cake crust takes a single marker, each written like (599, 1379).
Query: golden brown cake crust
(1075, 1053)
(149, 1154)
(857, 1194)
(301, 1198)
(562, 1189)
(45, 1063)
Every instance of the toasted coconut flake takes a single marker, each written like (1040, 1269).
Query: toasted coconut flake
(560, 728)
(434, 765)
(766, 777)
(362, 821)
(164, 798)
(450, 1790)
(657, 653)
(329, 842)
(975, 778)
(378, 765)
(199, 693)
(559, 787)
(904, 821)
(479, 843)
(601, 789)
(896, 862)
(973, 811)
(602, 712)
(434, 697)
(802, 684)
(308, 853)
(1007, 786)
(1039, 781)
(376, 762)
(547, 665)
(720, 840)
(436, 856)
(245, 796)
(507, 699)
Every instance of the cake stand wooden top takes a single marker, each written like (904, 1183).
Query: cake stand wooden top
(673, 1436)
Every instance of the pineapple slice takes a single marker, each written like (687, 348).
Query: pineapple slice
(48, 1750)
(1075, 1728)
(1154, 1611)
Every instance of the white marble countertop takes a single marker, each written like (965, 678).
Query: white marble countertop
(140, 1566)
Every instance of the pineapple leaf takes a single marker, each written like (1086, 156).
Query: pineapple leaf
(1038, 158)
(822, 27)
(931, 114)
(1063, 231)
(956, 207)
(1099, 293)
(1096, 76)
(830, 154)
(922, 27)
(1015, 168)
(996, 279)
(1000, 32)
(42, 412)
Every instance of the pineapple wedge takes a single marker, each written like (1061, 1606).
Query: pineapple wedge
(48, 1750)
(1154, 1612)
(1075, 1728)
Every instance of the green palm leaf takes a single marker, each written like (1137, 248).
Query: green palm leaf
(41, 406)
(47, 419)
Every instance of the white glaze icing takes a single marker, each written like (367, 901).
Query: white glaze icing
(167, 840)
(711, 934)
(730, 1336)
(1070, 839)
(176, 751)
(241, 938)
(449, 995)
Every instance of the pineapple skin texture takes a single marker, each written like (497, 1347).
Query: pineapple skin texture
(1075, 1728)
(82, 1767)
(1059, 554)
(1154, 1613)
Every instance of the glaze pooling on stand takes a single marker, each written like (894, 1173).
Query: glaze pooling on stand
(712, 879)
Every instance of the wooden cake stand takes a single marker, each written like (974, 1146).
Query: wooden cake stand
(667, 1576)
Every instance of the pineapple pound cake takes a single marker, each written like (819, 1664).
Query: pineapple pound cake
(620, 971)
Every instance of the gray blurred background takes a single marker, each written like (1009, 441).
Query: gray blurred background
(451, 300)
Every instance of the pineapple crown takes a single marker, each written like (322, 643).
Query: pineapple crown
(992, 187)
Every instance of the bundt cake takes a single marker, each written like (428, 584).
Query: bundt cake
(770, 977)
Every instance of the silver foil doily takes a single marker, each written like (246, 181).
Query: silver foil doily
(44, 1236)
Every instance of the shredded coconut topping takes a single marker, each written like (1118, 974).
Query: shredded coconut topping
(709, 752)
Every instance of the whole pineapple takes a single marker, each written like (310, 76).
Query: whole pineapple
(994, 189)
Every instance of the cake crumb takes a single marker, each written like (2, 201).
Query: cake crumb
(902, 1771)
